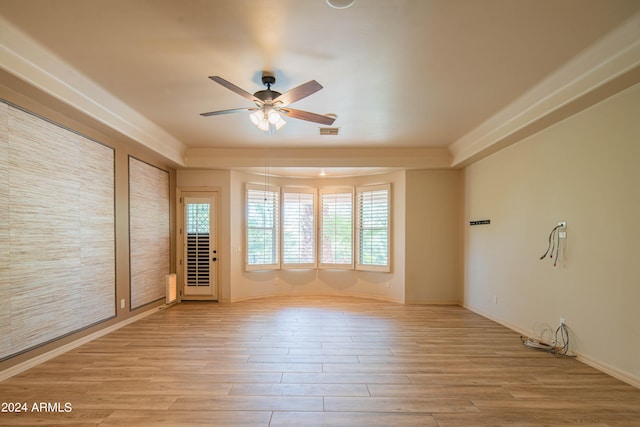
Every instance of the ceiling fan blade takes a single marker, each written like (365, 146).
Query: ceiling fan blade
(298, 93)
(310, 117)
(236, 89)
(233, 110)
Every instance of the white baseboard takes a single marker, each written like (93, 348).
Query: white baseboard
(433, 302)
(35, 361)
(500, 321)
(610, 370)
(325, 294)
(600, 366)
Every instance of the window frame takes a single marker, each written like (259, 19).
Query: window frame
(358, 229)
(299, 265)
(355, 228)
(336, 190)
(276, 229)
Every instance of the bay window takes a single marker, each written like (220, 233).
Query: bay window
(332, 228)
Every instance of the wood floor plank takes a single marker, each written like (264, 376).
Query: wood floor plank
(299, 390)
(387, 368)
(187, 418)
(249, 403)
(340, 351)
(398, 404)
(315, 359)
(318, 361)
(526, 420)
(76, 418)
(222, 377)
(368, 419)
(618, 391)
(262, 367)
(345, 378)
(431, 390)
(165, 388)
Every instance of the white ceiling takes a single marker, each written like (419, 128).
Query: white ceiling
(399, 74)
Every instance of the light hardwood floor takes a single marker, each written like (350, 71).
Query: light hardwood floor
(318, 361)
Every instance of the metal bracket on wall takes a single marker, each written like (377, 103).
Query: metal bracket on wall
(480, 222)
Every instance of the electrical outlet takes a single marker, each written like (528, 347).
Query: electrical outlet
(122, 303)
(495, 299)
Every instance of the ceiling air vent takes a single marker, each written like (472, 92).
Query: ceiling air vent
(329, 131)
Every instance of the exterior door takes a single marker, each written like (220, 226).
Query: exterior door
(199, 252)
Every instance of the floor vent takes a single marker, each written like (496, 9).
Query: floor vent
(329, 131)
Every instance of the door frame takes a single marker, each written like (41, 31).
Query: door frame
(180, 255)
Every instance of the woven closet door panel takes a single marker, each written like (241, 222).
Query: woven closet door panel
(60, 203)
(149, 231)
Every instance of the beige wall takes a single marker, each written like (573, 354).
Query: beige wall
(426, 235)
(433, 240)
(583, 170)
(34, 101)
(237, 284)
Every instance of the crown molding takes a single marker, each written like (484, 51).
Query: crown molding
(31, 63)
(391, 158)
(610, 65)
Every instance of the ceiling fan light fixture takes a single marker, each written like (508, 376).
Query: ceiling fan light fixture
(273, 116)
(340, 4)
(264, 125)
(255, 117)
(267, 119)
(279, 123)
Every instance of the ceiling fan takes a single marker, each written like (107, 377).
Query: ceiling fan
(269, 104)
